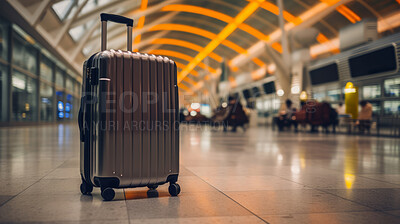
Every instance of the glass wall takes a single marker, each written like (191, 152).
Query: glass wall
(60, 78)
(60, 105)
(3, 92)
(46, 69)
(392, 87)
(392, 107)
(4, 28)
(371, 92)
(46, 102)
(24, 54)
(24, 93)
(40, 86)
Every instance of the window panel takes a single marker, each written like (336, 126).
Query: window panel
(60, 78)
(392, 87)
(3, 40)
(46, 70)
(371, 92)
(46, 102)
(3, 93)
(68, 85)
(392, 107)
(24, 55)
(24, 93)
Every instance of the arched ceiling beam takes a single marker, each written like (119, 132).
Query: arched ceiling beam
(181, 66)
(348, 13)
(185, 44)
(181, 56)
(130, 9)
(232, 26)
(270, 7)
(140, 24)
(309, 18)
(199, 32)
(216, 15)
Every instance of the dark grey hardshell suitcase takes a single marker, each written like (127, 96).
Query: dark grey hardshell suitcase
(128, 119)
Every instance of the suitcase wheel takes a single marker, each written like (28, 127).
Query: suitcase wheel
(152, 193)
(86, 188)
(174, 189)
(108, 194)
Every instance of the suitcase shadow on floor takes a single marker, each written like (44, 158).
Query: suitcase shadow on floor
(127, 194)
(133, 194)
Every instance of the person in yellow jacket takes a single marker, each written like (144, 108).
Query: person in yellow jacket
(365, 116)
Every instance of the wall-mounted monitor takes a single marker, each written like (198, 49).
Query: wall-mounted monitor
(256, 91)
(269, 87)
(378, 61)
(324, 74)
(247, 94)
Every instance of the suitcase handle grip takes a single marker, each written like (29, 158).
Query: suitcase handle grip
(117, 19)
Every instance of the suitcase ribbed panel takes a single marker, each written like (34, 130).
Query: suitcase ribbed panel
(173, 137)
(146, 120)
(153, 119)
(127, 111)
(119, 80)
(175, 106)
(160, 120)
(167, 115)
(137, 117)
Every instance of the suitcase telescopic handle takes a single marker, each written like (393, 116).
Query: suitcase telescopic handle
(117, 19)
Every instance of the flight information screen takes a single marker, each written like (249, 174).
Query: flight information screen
(325, 74)
(382, 60)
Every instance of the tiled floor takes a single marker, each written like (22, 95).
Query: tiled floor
(259, 176)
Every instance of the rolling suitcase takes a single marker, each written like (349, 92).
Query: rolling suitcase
(128, 119)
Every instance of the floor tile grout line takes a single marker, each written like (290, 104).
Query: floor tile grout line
(230, 198)
(14, 196)
(383, 181)
(327, 192)
(126, 205)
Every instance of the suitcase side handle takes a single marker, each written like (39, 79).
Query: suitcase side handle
(117, 19)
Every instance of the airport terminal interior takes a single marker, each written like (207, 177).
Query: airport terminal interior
(260, 111)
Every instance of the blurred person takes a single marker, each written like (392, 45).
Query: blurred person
(236, 116)
(341, 110)
(365, 116)
(286, 117)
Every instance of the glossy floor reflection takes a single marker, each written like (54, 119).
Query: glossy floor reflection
(259, 176)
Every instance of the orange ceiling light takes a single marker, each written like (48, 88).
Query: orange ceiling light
(184, 87)
(275, 10)
(185, 44)
(216, 15)
(182, 66)
(143, 6)
(197, 31)
(214, 43)
(348, 13)
(277, 46)
(324, 40)
(181, 56)
(330, 2)
(258, 62)
(191, 82)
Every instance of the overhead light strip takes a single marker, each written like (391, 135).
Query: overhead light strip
(239, 19)
(199, 32)
(186, 44)
(143, 6)
(181, 56)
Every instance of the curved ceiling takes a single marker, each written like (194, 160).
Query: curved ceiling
(200, 35)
